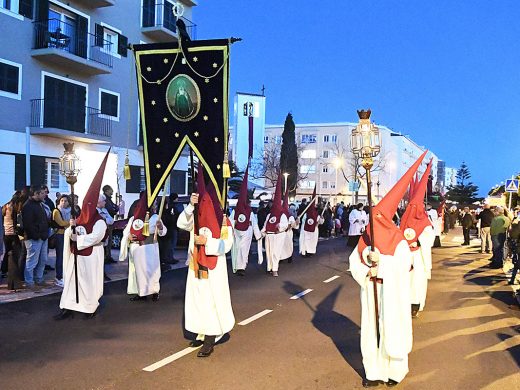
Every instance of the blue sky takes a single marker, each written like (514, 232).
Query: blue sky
(445, 72)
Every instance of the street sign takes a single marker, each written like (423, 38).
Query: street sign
(353, 186)
(511, 185)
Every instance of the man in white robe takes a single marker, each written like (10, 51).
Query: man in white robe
(208, 311)
(242, 242)
(385, 343)
(358, 220)
(144, 264)
(275, 240)
(87, 241)
(308, 241)
(436, 223)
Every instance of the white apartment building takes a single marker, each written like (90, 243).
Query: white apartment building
(326, 160)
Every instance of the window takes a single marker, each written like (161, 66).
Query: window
(308, 138)
(109, 103)
(325, 169)
(13, 8)
(326, 138)
(325, 185)
(53, 179)
(334, 138)
(266, 139)
(325, 154)
(307, 184)
(111, 39)
(137, 181)
(309, 153)
(332, 185)
(10, 79)
(278, 139)
(307, 169)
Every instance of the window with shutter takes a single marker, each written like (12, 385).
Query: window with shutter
(109, 103)
(122, 45)
(10, 79)
(26, 8)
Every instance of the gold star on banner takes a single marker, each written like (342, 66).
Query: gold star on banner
(159, 82)
(158, 166)
(149, 69)
(165, 60)
(215, 100)
(206, 81)
(195, 59)
(165, 120)
(205, 117)
(216, 139)
(215, 65)
(153, 102)
(218, 166)
(196, 134)
(157, 140)
(176, 135)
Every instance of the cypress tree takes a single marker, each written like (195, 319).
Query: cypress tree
(289, 154)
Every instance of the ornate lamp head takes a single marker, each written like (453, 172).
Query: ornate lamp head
(69, 163)
(365, 140)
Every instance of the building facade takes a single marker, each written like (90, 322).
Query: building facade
(326, 160)
(66, 74)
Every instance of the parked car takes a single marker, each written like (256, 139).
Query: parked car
(120, 225)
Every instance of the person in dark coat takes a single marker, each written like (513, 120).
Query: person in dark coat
(485, 217)
(467, 224)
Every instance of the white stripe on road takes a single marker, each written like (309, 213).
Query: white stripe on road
(331, 279)
(169, 359)
(255, 317)
(301, 294)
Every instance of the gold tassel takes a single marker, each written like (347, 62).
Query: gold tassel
(126, 170)
(226, 173)
(146, 226)
(224, 230)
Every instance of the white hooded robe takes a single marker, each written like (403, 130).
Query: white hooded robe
(242, 242)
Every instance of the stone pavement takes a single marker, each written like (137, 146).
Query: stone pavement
(115, 271)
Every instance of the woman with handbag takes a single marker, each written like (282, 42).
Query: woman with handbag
(60, 219)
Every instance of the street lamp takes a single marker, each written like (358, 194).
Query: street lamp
(366, 144)
(338, 163)
(285, 175)
(69, 164)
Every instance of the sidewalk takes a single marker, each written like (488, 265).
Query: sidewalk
(115, 271)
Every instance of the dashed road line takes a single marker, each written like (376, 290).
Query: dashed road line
(255, 317)
(331, 279)
(169, 359)
(301, 294)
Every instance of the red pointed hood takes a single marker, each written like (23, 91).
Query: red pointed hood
(207, 220)
(413, 184)
(311, 222)
(139, 216)
(217, 209)
(276, 209)
(387, 235)
(415, 219)
(243, 209)
(89, 214)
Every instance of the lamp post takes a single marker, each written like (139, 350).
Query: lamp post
(338, 163)
(69, 168)
(366, 144)
(285, 176)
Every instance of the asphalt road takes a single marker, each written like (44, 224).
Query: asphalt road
(467, 337)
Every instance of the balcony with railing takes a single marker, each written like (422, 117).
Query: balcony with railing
(69, 46)
(158, 21)
(74, 122)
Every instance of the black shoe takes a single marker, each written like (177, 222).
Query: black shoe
(205, 351)
(110, 261)
(155, 297)
(196, 343)
(89, 316)
(240, 272)
(138, 298)
(48, 268)
(391, 383)
(369, 383)
(289, 260)
(106, 277)
(65, 313)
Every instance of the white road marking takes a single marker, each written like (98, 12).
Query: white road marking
(169, 359)
(331, 279)
(255, 317)
(301, 294)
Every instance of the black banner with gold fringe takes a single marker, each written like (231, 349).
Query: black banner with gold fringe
(183, 99)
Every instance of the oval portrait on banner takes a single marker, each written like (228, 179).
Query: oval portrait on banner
(183, 98)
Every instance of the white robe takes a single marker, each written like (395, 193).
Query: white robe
(207, 308)
(309, 240)
(435, 220)
(242, 242)
(422, 265)
(357, 228)
(90, 270)
(144, 264)
(288, 246)
(390, 360)
(275, 242)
